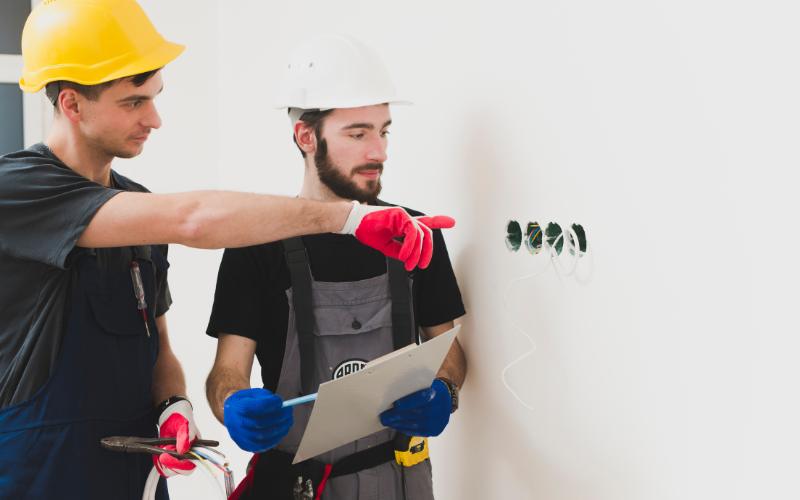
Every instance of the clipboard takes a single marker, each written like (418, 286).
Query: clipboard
(349, 408)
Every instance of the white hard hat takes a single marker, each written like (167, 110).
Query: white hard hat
(334, 71)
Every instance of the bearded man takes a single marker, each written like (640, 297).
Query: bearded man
(317, 308)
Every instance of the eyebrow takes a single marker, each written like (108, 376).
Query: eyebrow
(139, 97)
(367, 126)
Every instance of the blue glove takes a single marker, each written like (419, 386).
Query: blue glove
(424, 413)
(255, 419)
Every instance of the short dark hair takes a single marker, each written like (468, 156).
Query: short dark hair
(313, 120)
(93, 92)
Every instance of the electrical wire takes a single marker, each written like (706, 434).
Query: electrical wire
(552, 257)
(197, 446)
(219, 466)
(151, 484)
(508, 317)
(567, 243)
(203, 461)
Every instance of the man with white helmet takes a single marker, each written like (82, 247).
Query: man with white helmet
(84, 350)
(317, 308)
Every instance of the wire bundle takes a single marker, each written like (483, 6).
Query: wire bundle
(202, 458)
(553, 244)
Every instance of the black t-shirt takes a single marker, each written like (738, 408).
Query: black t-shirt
(44, 208)
(250, 300)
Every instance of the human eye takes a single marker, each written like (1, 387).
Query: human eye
(134, 104)
(384, 133)
(357, 136)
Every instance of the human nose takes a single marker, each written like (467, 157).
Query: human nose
(377, 150)
(152, 118)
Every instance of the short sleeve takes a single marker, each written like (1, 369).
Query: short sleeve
(164, 297)
(45, 207)
(438, 296)
(241, 295)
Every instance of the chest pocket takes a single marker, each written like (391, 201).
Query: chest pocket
(350, 333)
(117, 315)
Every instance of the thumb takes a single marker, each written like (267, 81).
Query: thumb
(183, 441)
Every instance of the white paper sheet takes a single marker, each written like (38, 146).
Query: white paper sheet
(349, 408)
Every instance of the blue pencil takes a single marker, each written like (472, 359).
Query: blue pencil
(297, 401)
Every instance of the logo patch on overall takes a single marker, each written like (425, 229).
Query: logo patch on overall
(347, 367)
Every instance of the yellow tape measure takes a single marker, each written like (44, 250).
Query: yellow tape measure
(416, 453)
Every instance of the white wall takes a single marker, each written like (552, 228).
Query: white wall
(666, 366)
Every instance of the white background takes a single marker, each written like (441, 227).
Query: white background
(667, 366)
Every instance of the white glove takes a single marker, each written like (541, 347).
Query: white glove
(177, 421)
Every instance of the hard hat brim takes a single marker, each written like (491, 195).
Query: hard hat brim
(153, 59)
(357, 104)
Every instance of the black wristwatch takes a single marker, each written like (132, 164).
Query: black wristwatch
(162, 407)
(453, 388)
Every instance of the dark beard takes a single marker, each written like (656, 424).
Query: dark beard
(340, 184)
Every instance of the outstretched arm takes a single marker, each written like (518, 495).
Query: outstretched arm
(209, 219)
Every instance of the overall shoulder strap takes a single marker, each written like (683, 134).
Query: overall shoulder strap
(297, 259)
(401, 302)
(402, 328)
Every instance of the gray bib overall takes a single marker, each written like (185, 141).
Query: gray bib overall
(350, 324)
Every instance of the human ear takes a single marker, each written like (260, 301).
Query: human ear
(68, 102)
(305, 137)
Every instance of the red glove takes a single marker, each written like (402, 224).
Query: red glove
(177, 421)
(378, 226)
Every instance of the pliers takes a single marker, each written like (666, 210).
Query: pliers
(148, 445)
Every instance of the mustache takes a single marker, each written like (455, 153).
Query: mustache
(140, 133)
(368, 166)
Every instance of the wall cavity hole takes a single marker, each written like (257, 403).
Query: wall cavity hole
(581, 234)
(513, 236)
(551, 235)
(533, 237)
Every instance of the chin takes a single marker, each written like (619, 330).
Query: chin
(130, 153)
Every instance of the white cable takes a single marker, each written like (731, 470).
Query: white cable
(205, 470)
(152, 482)
(508, 317)
(557, 258)
(553, 257)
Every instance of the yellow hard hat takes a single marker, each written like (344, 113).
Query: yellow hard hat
(90, 42)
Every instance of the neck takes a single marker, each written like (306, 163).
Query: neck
(313, 188)
(71, 148)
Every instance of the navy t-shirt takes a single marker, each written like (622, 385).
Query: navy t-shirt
(250, 300)
(44, 208)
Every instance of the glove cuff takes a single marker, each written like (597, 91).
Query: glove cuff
(351, 224)
(452, 388)
(173, 404)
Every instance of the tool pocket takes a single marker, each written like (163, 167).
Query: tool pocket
(351, 333)
(118, 315)
(116, 328)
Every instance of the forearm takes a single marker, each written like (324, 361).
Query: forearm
(222, 382)
(168, 379)
(230, 220)
(455, 365)
(209, 219)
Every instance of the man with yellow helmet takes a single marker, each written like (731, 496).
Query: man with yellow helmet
(84, 350)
